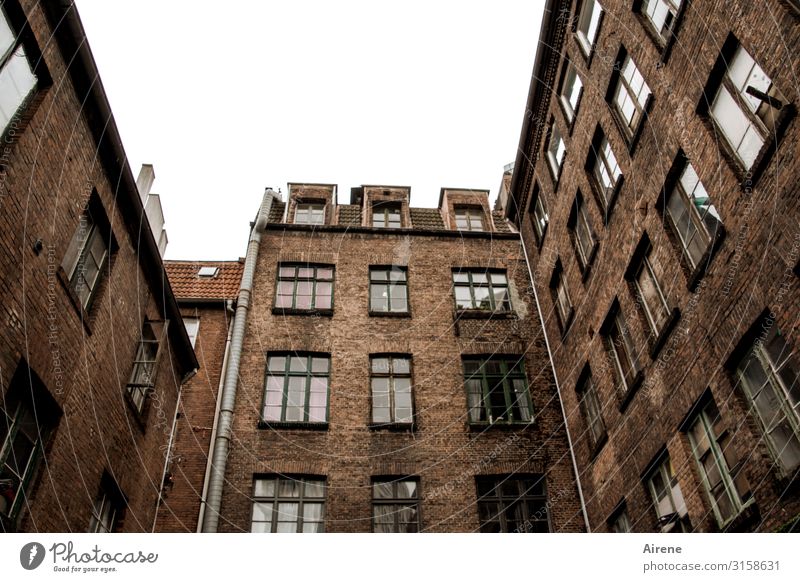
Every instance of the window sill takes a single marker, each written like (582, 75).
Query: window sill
(483, 314)
(669, 325)
(634, 386)
(307, 312)
(744, 521)
(587, 51)
(395, 314)
(392, 427)
(516, 425)
(265, 425)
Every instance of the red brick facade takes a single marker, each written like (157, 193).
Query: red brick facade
(67, 365)
(718, 309)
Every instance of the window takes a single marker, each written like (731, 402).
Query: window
(386, 216)
(297, 388)
(769, 375)
(558, 287)
(395, 506)
(621, 351)
(484, 290)
(556, 149)
(28, 416)
(539, 217)
(108, 507)
(590, 408)
(512, 504)
(746, 105)
(497, 390)
(582, 234)
(391, 390)
(661, 14)
(469, 218)
(692, 216)
(145, 364)
(630, 95)
(192, 325)
(208, 272)
(668, 499)
(288, 505)
(86, 256)
(388, 290)
(720, 466)
(307, 213)
(571, 91)
(17, 77)
(304, 287)
(605, 170)
(648, 290)
(588, 25)
(621, 523)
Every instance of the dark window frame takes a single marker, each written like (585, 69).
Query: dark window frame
(397, 501)
(589, 404)
(470, 213)
(301, 500)
(531, 490)
(550, 160)
(663, 43)
(676, 521)
(606, 197)
(387, 209)
(391, 374)
(579, 213)
(389, 284)
(511, 368)
(490, 285)
(138, 391)
(315, 280)
(111, 496)
(536, 203)
(309, 207)
(615, 324)
(286, 374)
(557, 283)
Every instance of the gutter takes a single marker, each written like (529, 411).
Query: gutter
(222, 439)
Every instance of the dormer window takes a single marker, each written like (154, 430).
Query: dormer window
(208, 272)
(386, 216)
(309, 213)
(469, 218)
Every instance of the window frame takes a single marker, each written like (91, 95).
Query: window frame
(490, 285)
(286, 374)
(570, 112)
(301, 500)
(615, 324)
(296, 279)
(388, 283)
(506, 502)
(193, 322)
(586, 45)
(620, 85)
(702, 417)
(391, 375)
(387, 209)
(565, 310)
(308, 209)
(664, 468)
(579, 215)
(592, 412)
(512, 368)
(138, 393)
(536, 205)
(470, 213)
(754, 350)
(395, 501)
(552, 159)
(605, 196)
(110, 496)
(664, 39)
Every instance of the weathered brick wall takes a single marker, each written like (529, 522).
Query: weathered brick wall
(744, 277)
(181, 504)
(47, 177)
(442, 452)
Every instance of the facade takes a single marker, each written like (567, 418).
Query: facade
(656, 191)
(391, 375)
(92, 352)
(205, 291)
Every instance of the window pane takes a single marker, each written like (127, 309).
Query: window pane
(264, 488)
(16, 82)
(315, 489)
(289, 487)
(463, 297)
(401, 365)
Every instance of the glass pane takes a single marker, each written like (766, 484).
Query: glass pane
(380, 366)
(407, 490)
(379, 274)
(287, 272)
(264, 488)
(305, 272)
(16, 82)
(383, 490)
(262, 512)
(315, 489)
(319, 385)
(460, 278)
(319, 365)
(289, 487)
(482, 298)
(401, 365)
(298, 364)
(379, 297)
(397, 275)
(399, 304)
(463, 297)
(312, 512)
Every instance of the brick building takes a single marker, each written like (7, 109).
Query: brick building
(391, 374)
(205, 291)
(656, 190)
(92, 351)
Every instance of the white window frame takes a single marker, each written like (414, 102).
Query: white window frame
(588, 25)
(555, 156)
(312, 213)
(570, 94)
(663, 11)
(633, 93)
(17, 77)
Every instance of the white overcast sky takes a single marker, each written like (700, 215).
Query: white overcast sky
(225, 99)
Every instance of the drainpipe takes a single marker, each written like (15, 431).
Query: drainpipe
(228, 309)
(219, 458)
(558, 389)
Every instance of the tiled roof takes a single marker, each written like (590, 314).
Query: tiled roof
(349, 215)
(500, 223)
(186, 284)
(276, 212)
(428, 218)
